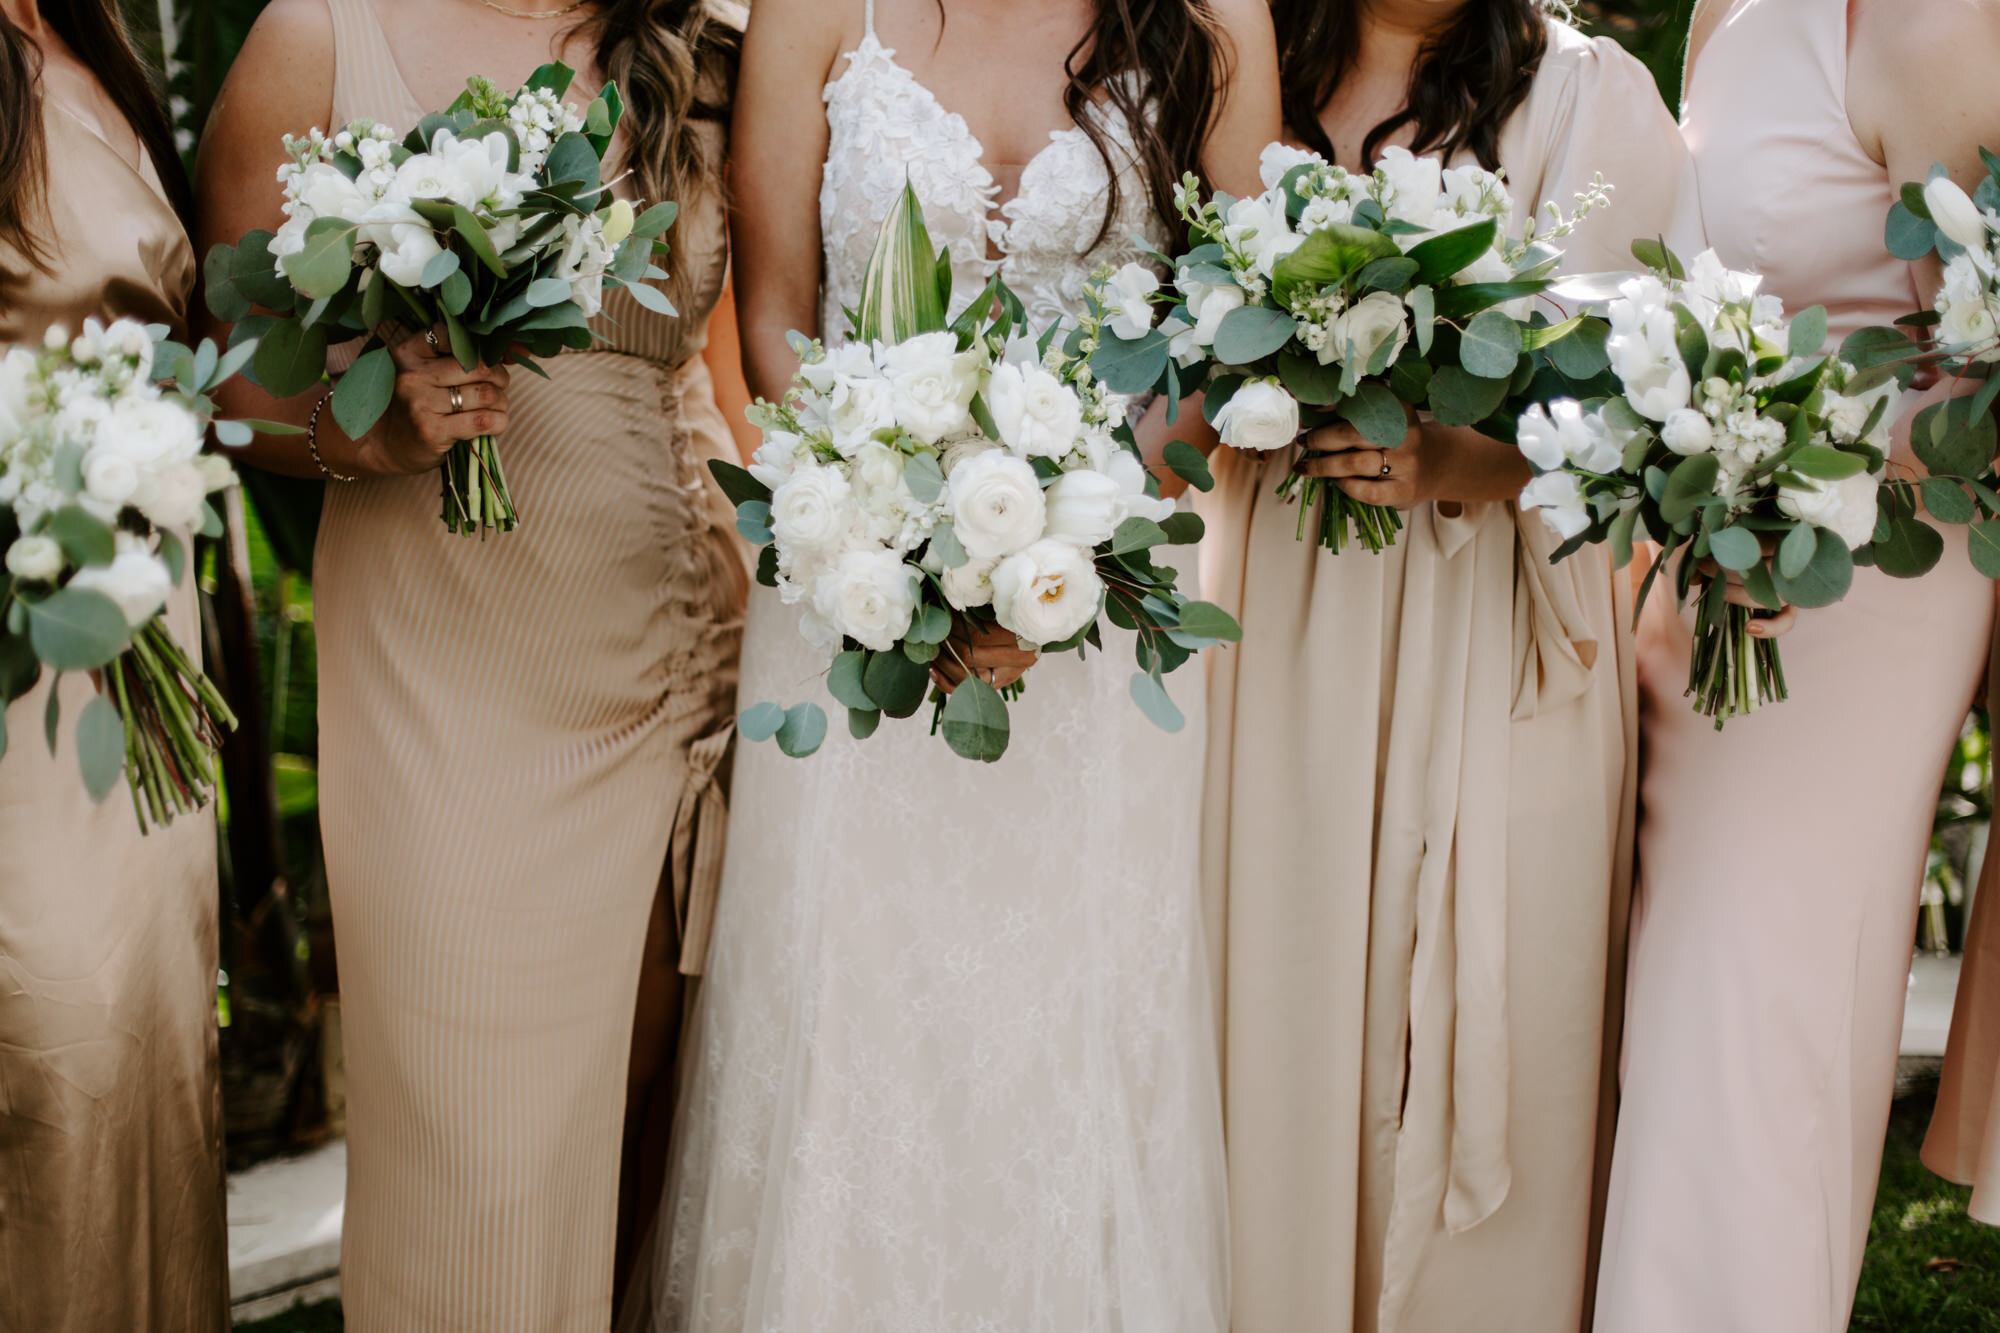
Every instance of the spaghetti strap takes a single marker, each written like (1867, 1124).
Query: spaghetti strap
(868, 18)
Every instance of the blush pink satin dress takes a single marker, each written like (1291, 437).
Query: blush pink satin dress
(1779, 860)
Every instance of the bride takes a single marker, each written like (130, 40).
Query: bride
(953, 1065)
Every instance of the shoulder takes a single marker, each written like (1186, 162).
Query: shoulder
(288, 57)
(1243, 21)
(1571, 56)
(1579, 76)
(291, 27)
(1915, 41)
(805, 29)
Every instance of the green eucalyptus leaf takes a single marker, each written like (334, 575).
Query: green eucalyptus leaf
(760, 722)
(1250, 333)
(737, 483)
(1151, 696)
(861, 722)
(1910, 548)
(1209, 621)
(895, 683)
(1375, 411)
(76, 629)
(1490, 345)
(1459, 398)
(975, 721)
(290, 358)
(1795, 552)
(1984, 540)
(1826, 577)
(1189, 464)
(363, 394)
(100, 746)
(803, 730)
(1946, 500)
(1130, 367)
(843, 679)
(1735, 548)
(1808, 332)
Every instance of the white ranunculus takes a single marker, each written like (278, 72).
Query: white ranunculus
(811, 510)
(933, 383)
(1279, 158)
(1557, 496)
(136, 579)
(1260, 415)
(1259, 228)
(1037, 414)
(1954, 213)
(970, 584)
(869, 595)
(1411, 186)
(1207, 305)
(1687, 432)
(175, 498)
(1046, 593)
(35, 559)
(1846, 508)
(407, 249)
(153, 432)
(995, 503)
(111, 479)
(1084, 507)
(1128, 305)
(1376, 321)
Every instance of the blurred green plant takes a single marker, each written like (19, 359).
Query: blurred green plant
(1653, 30)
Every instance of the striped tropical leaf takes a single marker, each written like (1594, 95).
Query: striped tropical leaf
(907, 289)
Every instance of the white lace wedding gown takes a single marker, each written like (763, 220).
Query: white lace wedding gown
(953, 1068)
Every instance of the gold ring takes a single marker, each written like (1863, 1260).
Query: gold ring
(431, 337)
(458, 399)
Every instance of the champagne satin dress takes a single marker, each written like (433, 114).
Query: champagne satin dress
(111, 1205)
(521, 739)
(1780, 858)
(1417, 840)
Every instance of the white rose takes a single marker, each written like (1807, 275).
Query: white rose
(1128, 306)
(970, 584)
(1557, 495)
(810, 510)
(1954, 213)
(996, 505)
(407, 249)
(869, 595)
(933, 383)
(136, 580)
(1846, 508)
(1084, 507)
(35, 559)
(1410, 185)
(1046, 593)
(1279, 158)
(1259, 415)
(1037, 414)
(1687, 432)
(1368, 326)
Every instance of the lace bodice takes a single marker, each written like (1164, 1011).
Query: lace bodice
(883, 123)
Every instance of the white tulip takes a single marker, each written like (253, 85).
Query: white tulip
(1954, 213)
(1260, 415)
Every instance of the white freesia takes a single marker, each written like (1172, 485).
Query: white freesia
(1644, 349)
(1955, 214)
(1565, 433)
(35, 559)
(1037, 414)
(1846, 508)
(1260, 415)
(1047, 592)
(1128, 305)
(1561, 502)
(995, 503)
(868, 594)
(933, 383)
(136, 579)
(809, 510)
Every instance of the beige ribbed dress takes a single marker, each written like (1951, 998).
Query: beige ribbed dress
(519, 738)
(110, 1097)
(1417, 848)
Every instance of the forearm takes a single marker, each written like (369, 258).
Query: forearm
(1154, 433)
(1474, 468)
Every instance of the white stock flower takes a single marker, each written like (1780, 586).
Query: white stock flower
(810, 510)
(1687, 432)
(1046, 593)
(1325, 211)
(1260, 415)
(996, 504)
(1846, 508)
(1279, 158)
(1954, 213)
(36, 559)
(136, 579)
(1128, 306)
(869, 595)
(1375, 321)
(1558, 497)
(934, 384)
(970, 584)
(1036, 413)
(1565, 433)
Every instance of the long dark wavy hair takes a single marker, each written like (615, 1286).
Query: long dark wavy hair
(674, 62)
(1468, 78)
(95, 31)
(1158, 63)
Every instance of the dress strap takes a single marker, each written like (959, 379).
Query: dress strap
(868, 18)
(367, 82)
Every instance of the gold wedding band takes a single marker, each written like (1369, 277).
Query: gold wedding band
(458, 401)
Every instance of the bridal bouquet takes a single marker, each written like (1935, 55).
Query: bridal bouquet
(925, 471)
(101, 470)
(491, 221)
(1340, 296)
(1733, 442)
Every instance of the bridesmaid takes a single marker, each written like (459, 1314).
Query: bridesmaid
(1779, 859)
(111, 1210)
(1420, 790)
(521, 738)
(1964, 1140)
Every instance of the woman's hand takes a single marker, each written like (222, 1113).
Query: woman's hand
(1765, 623)
(989, 651)
(1434, 463)
(437, 404)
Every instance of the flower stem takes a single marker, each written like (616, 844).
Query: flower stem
(1731, 672)
(475, 495)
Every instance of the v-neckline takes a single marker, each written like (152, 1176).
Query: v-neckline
(156, 187)
(997, 218)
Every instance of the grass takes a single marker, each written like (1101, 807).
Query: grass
(1930, 1268)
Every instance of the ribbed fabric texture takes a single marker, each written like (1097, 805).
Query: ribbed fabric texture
(518, 739)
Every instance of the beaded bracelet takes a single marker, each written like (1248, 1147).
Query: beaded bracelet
(312, 441)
